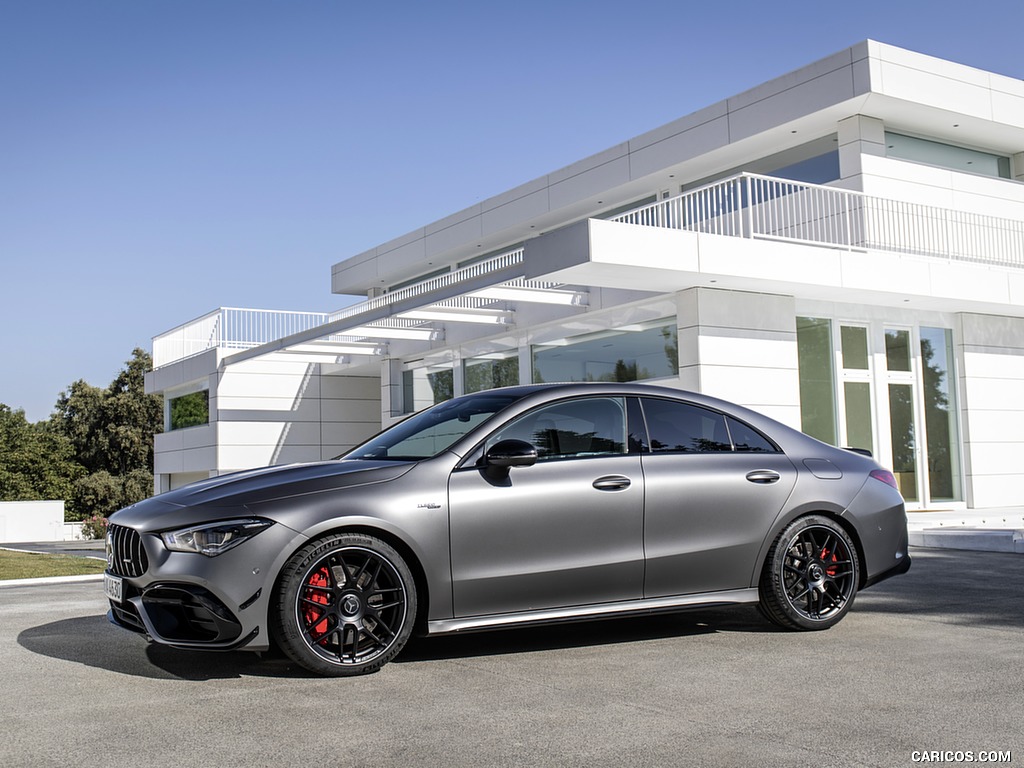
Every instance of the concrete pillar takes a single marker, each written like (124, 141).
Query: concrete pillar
(990, 358)
(859, 135)
(742, 347)
(390, 391)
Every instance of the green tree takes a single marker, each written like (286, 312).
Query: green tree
(36, 461)
(111, 433)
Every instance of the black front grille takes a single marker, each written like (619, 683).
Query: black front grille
(125, 553)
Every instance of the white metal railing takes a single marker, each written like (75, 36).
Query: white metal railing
(234, 328)
(230, 328)
(754, 206)
(485, 267)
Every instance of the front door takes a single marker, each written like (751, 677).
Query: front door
(567, 531)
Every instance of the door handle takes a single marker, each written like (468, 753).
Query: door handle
(763, 476)
(612, 483)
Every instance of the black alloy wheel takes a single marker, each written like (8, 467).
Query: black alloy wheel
(345, 605)
(811, 575)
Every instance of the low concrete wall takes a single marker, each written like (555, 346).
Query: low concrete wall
(34, 521)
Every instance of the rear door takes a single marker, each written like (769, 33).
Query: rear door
(713, 487)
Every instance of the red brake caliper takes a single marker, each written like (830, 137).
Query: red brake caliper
(311, 614)
(825, 555)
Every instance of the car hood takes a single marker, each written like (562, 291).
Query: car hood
(229, 494)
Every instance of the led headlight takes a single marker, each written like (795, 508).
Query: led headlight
(214, 538)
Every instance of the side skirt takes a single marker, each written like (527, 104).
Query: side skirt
(600, 611)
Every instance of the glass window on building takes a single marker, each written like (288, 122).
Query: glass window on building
(940, 414)
(427, 386)
(814, 170)
(633, 353)
(817, 378)
(897, 350)
(856, 387)
(855, 347)
(189, 410)
(904, 439)
(945, 155)
(495, 369)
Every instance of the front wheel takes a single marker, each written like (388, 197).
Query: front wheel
(811, 575)
(345, 605)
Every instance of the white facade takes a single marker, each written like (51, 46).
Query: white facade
(841, 248)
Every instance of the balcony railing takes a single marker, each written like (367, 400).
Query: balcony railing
(233, 328)
(754, 206)
(230, 328)
(747, 205)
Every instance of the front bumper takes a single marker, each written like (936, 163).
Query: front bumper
(181, 615)
(189, 600)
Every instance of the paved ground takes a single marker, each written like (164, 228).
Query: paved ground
(928, 661)
(78, 548)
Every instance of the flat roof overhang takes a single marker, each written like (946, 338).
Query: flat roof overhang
(610, 254)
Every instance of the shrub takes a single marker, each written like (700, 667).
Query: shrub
(94, 527)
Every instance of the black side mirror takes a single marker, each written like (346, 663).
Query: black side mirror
(506, 454)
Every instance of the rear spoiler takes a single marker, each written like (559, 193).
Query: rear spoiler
(861, 451)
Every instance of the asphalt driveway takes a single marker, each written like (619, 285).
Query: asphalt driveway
(928, 661)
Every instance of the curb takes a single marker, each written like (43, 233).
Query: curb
(50, 580)
(973, 539)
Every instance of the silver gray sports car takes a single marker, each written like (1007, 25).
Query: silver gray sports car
(505, 508)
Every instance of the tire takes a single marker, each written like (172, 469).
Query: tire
(811, 575)
(345, 605)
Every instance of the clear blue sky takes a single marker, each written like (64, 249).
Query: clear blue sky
(160, 158)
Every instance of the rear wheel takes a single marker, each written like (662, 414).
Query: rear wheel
(811, 575)
(345, 605)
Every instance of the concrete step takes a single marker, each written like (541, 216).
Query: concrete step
(971, 538)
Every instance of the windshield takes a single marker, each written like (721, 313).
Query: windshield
(434, 430)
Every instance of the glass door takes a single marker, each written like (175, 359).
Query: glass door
(939, 406)
(891, 390)
(856, 413)
(902, 422)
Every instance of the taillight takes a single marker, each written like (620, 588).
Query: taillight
(885, 476)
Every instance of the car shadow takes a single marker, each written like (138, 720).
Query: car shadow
(586, 634)
(948, 586)
(93, 641)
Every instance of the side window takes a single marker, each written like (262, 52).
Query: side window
(593, 426)
(748, 439)
(674, 426)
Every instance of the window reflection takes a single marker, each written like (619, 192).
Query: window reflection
(897, 350)
(577, 428)
(681, 427)
(643, 351)
(939, 397)
(817, 386)
(946, 155)
(424, 387)
(500, 369)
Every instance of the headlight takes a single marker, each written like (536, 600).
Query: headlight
(214, 538)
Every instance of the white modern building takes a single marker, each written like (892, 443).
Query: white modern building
(841, 248)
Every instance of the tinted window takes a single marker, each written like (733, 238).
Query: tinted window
(592, 426)
(745, 438)
(429, 432)
(674, 426)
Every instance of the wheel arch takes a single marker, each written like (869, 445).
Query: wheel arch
(822, 510)
(390, 538)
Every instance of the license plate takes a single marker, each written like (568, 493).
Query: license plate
(112, 587)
